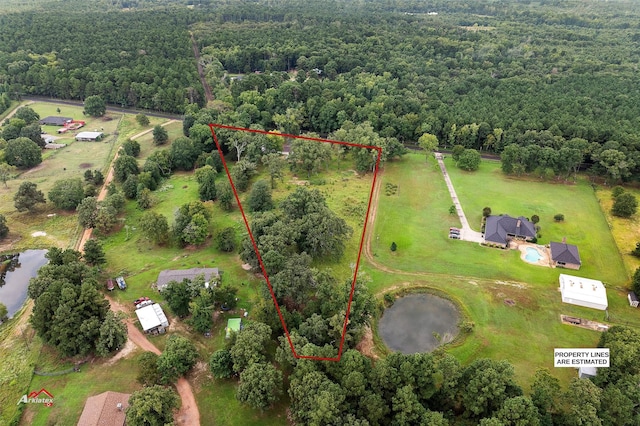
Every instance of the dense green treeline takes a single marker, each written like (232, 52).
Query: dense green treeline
(479, 75)
(141, 59)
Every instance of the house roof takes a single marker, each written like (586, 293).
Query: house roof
(565, 253)
(89, 135)
(151, 316)
(102, 409)
(53, 120)
(497, 228)
(180, 274)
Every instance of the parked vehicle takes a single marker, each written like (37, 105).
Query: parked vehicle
(454, 236)
(454, 229)
(121, 283)
(140, 300)
(110, 284)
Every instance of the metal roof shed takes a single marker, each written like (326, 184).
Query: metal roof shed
(152, 317)
(234, 324)
(583, 292)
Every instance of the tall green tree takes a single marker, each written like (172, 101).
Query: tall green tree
(142, 120)
(27, 197)
(275, 164)
(428, 143)
(27, 114)
(225, 195)
(469, 160)
(152, 406)
(160, 135)
(221, 364)
(250, 346)
(486, 385)
(67, 194)
(113, 335)
(179, 356)
(6, 172)
(124, 166)
(260, 197)
(4, 229)
(93, 253)
(309, 156)
(260, 385)
(178, 296)
(154, 226)
(95, 106)
(23, 153)
(625, 205)
(206, 177)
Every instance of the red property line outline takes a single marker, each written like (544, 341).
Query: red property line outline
(255, 246)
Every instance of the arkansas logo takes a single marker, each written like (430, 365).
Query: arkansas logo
(37, 397)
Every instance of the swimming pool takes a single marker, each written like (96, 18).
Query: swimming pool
(533, 255)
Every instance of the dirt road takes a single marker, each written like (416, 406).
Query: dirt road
(188, 413)
(86, 235)
(196, 52)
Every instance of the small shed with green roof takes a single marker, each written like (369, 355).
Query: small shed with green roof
(234, 324)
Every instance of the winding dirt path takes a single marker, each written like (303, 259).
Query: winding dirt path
(86, 234)
(188, 414)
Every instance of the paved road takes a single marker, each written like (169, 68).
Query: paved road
(466, 234)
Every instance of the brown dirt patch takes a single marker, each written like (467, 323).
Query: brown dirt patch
(366, 346)
(85, 165)
(107, 118)
(129, 347)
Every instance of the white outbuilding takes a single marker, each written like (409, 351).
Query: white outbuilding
(583, 292)
(152, 318)
(89, 136)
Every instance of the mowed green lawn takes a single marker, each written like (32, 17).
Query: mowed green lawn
(481, 278)
(524, 334)
(417, 218)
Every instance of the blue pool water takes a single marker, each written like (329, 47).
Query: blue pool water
(532, 255)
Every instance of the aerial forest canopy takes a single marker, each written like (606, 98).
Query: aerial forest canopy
(483, 75)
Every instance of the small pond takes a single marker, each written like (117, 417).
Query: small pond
(410, 324)
(15, 272)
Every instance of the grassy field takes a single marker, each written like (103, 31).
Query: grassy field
(417, 218)
(626, 232)
(19, 352)
(69, 162)
(71, 390)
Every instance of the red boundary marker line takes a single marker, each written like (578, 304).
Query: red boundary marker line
(255, 246)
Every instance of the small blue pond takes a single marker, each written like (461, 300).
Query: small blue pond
(533, 255)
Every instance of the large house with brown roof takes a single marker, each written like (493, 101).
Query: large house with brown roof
(499, 230)
(105, 409)
(565, 255)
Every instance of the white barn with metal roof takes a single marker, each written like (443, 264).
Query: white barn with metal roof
(583, 292)
(152, 318)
